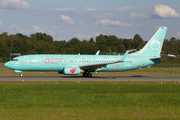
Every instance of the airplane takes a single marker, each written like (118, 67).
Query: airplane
(170, 55)
(77, 64)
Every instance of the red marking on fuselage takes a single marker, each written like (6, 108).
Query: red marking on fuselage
(73, 70)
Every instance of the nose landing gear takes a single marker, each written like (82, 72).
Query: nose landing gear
(21, 75)
(87, 74)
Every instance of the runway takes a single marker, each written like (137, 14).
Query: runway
(120, 78)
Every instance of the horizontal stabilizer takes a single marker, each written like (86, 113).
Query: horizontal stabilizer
(155, 58)
(159, 58)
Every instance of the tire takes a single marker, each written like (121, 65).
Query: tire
(89, 75)
(21, 75)
(85, 74)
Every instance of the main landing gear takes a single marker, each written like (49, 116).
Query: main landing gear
(87, 74)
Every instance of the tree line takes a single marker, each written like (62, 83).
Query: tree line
(41, 43)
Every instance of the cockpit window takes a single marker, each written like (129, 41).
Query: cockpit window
(14, 59)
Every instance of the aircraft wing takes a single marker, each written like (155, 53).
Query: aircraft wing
(100, 65)
(93, 66)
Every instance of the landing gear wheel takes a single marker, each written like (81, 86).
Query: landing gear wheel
(89, 75)
(21, 75)
(85, 74)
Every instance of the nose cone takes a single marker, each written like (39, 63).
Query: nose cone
(7, 64)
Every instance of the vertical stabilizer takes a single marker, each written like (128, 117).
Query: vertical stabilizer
(153, 48)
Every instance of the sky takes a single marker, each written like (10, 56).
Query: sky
(83, 19)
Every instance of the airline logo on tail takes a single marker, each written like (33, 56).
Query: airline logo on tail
(153, 48)
(155, 45)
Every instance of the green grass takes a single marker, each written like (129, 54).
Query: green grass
(89, 100)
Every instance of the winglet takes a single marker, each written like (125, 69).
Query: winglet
(124, 57)
(159, 58)
(97, 53)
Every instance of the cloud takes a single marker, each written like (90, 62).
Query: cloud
(178, 34)
(137, 15)
(97, 34)
(65, 9)
(103, 15)
(0, 22)
(108, 15)
(51, 32)
(82, 22)
(56, 27)
(59, 38)
(124, 9)
(105, 22)
(67, 19)
(13, 4)
(90, 9)
(47, 30)
(14, 27)
(164, 11)
(37, 29)
(82, 36)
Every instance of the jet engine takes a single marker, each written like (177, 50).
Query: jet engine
(72, 71)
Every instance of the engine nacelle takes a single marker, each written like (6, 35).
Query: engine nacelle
(72, 71)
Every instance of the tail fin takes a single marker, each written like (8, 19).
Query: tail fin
(153, 48)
